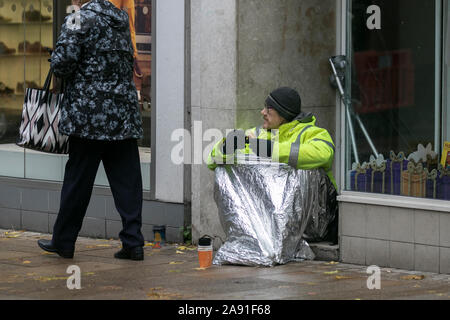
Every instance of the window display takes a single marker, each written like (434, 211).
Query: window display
(26, 33)
(394, 121)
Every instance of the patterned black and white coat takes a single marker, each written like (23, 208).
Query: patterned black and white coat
(94, 56)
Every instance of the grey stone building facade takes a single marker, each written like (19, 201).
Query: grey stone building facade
(214, 62)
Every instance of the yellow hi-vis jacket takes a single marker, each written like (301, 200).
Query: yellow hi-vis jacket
(298, 143)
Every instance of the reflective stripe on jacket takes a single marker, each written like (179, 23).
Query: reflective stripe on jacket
(299, 143)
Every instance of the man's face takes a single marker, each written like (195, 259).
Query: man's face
(272, 119)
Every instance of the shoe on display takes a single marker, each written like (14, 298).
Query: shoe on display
(29, 84)
(24, 46)
(5, 20)
(38, 48)
(5, 50)
(34, 16)
(4, 90)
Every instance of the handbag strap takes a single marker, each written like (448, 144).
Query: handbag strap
(48, 81)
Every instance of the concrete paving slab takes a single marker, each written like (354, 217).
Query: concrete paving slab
(170, 273)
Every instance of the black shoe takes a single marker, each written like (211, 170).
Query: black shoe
(48, 246)
(34, 16)
(136, 253)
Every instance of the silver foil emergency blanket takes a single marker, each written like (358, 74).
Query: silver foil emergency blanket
(265, 208)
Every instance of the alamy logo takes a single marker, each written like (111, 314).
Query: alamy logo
(74, 22)
(74, 281)
(374, 281)
(374, 21)
(189, 148)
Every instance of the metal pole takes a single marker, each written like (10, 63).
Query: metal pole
(363, 128)
(349, 119)
(352, 133)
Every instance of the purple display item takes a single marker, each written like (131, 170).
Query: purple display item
(444, 184)
(379, 182)
(359, 181)
(432, 185)
(395, 165)
(367, 180)
(376, 175)
(352, 180)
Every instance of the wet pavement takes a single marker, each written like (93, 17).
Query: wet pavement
(172, 273)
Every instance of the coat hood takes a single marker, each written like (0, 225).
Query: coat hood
(305, 117)
(113, 16)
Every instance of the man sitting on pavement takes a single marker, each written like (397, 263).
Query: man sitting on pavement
(291, 136)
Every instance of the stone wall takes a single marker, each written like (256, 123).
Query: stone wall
(240, 51)
(285, 43)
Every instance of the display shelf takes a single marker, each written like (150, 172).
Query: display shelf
(12, 95)
(37, 23)
(30, 55)
(43, 55)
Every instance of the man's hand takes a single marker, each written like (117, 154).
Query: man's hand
(262, 147)
(235, 140)
(251, 135)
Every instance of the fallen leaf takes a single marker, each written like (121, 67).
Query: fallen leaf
(332, 272)
(413, 277)
(45, 279)
(183, 248)
(176, 262)
(174, 271)
(357, 299)
(199, 269)
(179, 252)
(26, 262)
(13, 232)
(342, 277)
(332, 263)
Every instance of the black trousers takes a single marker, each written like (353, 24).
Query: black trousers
(122, 166)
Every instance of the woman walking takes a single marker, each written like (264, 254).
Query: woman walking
(100, 114)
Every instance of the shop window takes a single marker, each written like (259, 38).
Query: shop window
(394, 128)
(26, 30)
(143, 83)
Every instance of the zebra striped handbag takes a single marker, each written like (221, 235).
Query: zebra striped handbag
(40, 117)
